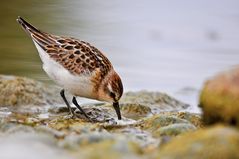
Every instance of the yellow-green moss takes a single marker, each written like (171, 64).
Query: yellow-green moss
(157, 121)
(174, 129)
(135, 111)
(195, 119)
(108, 149)
(23, 91)
(218, 142)
(156, 100)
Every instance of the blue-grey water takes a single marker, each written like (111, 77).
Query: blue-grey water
(171, 46)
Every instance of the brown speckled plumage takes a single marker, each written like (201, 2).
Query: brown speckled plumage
(77, 56)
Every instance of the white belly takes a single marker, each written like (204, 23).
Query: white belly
(77, 85)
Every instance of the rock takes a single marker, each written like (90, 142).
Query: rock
(24, 91)
(109, 149)
(174, 129)
(193, 118)
(170, 123)
(215, 142)
(83, 139)
(135, 111)
(147, 122)
(132, 133)
(73, 142)
(10, 128)
(166, 124)
(219, 98)
(157, 121)
(137, 105)
(155, 100)
(50, 132)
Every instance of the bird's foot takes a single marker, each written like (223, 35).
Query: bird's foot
(87, 115)
(70, 115)
(82, 113)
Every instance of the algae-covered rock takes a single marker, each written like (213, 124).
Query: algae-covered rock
(143, 128)
(74, 141)
(219, 98)
(135, 111)
(168, 124)
(174, 129)
(193, 118)
(157, 121)
(210, 143)
(22, 91)
(155, 100)
(109, 149)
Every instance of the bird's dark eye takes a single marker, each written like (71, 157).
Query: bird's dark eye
(112, 95)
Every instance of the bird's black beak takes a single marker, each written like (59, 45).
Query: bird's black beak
(117, 109)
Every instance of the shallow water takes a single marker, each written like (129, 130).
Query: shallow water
(166, 46)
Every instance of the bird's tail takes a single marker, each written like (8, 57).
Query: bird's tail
(38, 36)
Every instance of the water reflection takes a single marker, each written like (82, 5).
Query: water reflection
(161, 45)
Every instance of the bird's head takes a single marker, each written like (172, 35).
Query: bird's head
(111, 90)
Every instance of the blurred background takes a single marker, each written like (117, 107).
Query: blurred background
(171, 46)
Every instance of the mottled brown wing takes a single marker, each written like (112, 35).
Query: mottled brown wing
(77, 56)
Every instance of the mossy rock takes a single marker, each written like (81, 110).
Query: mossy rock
(193, 118)
(157, 121)
(218, 142)
(174, 129)
(109, 149)
(24, 91)
(165, 125)
(135, 111)
(219, 98)
(157, 101)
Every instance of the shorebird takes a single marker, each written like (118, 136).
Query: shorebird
(76, 66)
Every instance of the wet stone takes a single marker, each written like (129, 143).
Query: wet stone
(157, 121)
(24, 91)
(193, 118)
(135, 111)
(174, 129)
(147, 124)
(157, 101)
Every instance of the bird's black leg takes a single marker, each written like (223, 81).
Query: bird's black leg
(74, 101)
(62, 93)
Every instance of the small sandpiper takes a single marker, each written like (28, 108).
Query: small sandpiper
(78, 67)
